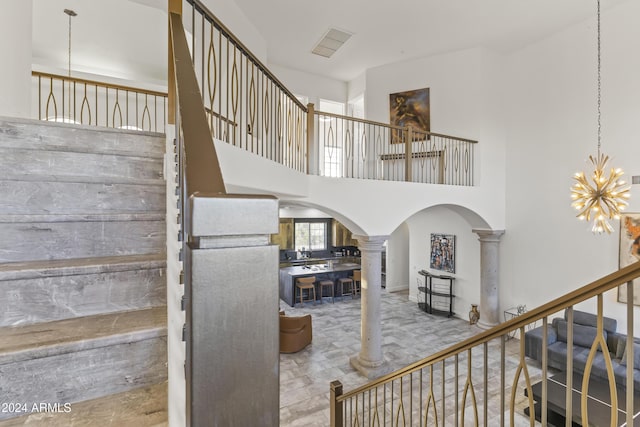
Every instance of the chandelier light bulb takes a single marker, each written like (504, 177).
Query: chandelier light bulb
(603, 198)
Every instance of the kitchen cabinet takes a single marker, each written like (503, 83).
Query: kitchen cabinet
(341, 235)
(284, 238)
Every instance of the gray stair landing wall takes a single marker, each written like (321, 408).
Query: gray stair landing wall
(70, 191)
(46, 291)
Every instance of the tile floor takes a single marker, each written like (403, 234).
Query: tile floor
(409, 334)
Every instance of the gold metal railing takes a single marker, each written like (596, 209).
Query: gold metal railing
(88, 102)
(356, 148)
(459, 386)
(247, 105)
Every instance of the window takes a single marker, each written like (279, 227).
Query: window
(310, 235)
(332, 132)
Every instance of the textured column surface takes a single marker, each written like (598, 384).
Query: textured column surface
(232, 312)
(489, 286)
(370, 361)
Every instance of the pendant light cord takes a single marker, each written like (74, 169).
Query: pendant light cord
(599, 81)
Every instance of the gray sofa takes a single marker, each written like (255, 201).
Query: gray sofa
(584, 334)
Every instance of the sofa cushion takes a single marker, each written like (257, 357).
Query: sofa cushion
(620, 348)
(583, 336)
(636, 356)
(590, 319)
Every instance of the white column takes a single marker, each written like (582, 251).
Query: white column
(15, 45)
(370, 361)
(489, 268)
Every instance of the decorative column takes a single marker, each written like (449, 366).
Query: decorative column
(489, 265)
(370, 362)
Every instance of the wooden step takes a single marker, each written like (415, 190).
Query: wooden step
(74, 360)
(63, 289)
(144, 406)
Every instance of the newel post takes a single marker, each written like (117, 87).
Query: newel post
(336, 407)
(408, 155)
(310, 140)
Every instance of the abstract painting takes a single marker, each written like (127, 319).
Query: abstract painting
(629, 252)
(410, 108)
(443, 252)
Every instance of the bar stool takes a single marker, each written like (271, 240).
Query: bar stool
(357, 279)
(346, 282)
(326, 283)
(307, 283)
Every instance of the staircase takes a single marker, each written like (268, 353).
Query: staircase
(82, 286)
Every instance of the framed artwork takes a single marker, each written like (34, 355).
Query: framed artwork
(629, 252)
(410, 108)
(443, 252)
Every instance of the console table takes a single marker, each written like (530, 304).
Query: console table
(443, 293)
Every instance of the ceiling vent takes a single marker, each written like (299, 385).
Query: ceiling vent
(331, 42)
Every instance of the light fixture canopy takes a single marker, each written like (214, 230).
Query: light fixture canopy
(604, 197)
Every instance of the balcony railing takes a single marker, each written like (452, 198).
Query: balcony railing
(88, 102)
(458, 386)
(248, 107)
(348, 147)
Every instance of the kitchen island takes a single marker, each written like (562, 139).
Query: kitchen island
(288, 276)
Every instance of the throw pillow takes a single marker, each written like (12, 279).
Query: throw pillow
(622, 346)
(583, 336)
(636, 356)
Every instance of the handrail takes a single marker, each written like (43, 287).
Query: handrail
(202, 169)
(98, 103)
(597, 287)
(244, 49)
(387, 125)
(99, 83)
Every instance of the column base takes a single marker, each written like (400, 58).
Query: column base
(371, 370)
(485, 325)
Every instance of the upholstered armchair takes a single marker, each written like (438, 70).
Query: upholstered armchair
(295, 333)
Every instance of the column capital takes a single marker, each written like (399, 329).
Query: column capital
(370, 243)
(488, 235)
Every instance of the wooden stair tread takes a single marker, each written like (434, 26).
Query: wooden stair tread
(66, 267)
(81, 333)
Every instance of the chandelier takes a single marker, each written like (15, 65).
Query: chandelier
(604, 196)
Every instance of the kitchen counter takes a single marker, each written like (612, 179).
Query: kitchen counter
(288, 276)
(312, 261)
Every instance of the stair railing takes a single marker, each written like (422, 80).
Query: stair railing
(458, 384)
(219, 233)
(247, 105)
(93, 103)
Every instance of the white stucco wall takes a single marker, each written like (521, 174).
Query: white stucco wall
(552, 129)
(443, 220)
(15, 45)
(313, 86)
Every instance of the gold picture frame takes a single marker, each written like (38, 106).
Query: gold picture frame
(410, 108)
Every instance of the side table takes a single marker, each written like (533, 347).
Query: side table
(513, 312)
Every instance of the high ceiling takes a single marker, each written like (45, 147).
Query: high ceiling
(126, 38)
(387, 31)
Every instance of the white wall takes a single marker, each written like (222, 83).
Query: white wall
(552, 129)
(15, 45)
(439, 219)
(312, 86)
(235, 20)
(398, 261)
(466, 100)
